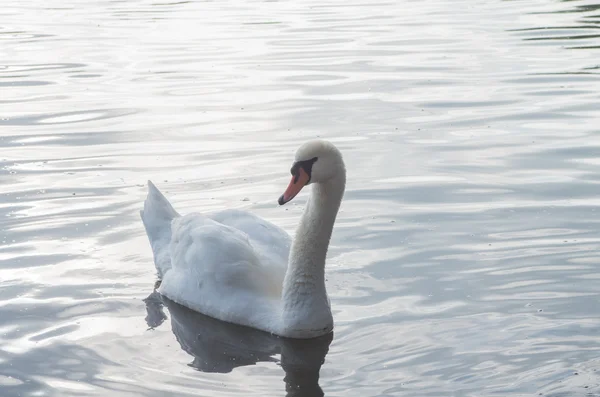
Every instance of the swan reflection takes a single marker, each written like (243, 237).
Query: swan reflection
(217, 346)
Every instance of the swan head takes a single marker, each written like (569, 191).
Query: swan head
(316, 161)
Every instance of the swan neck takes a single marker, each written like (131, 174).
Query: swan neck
(304, 283)
(309, 249)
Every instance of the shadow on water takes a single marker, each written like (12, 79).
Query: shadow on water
(220, 347)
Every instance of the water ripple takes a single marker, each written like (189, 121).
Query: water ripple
(464, 258)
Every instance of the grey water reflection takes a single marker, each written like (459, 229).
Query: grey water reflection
(221, 347)
(580, 35)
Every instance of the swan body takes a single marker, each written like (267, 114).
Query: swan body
(237, 267)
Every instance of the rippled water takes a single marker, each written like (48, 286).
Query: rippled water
(464, 262)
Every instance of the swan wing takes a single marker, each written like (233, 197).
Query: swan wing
(215, 269)
(270, 242)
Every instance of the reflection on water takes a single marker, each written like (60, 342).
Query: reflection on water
(221, 347)
(464, 261)
(581, 34)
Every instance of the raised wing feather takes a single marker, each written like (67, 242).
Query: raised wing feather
(221, 258)
(271, 243)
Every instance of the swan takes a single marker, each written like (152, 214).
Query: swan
(237, 267)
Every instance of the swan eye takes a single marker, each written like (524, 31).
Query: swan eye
(306, 165)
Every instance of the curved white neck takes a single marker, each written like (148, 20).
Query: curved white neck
(304, 295)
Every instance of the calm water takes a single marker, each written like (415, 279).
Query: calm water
(464, 261)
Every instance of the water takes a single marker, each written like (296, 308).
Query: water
(464, 261)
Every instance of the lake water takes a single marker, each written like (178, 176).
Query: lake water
(465, 257)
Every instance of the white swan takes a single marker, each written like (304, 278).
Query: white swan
(239, 268)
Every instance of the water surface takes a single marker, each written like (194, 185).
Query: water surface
(464, 261)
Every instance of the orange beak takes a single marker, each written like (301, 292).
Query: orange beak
(296, 184)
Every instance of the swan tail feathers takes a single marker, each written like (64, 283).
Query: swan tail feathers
(157, 216)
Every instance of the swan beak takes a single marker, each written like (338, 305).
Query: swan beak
(296, 184)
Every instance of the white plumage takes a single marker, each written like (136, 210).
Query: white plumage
(237, 267)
